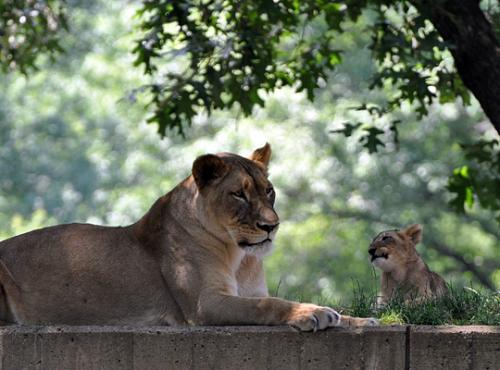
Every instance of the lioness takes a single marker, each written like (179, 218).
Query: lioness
(404, 273)
(194, 258)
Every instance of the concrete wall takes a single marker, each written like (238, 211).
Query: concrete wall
(110, 348)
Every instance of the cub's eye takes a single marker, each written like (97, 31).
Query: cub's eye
(387, 238)
(269, 192)
(240, 195)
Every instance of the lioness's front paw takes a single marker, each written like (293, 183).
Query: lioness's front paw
(307, 317)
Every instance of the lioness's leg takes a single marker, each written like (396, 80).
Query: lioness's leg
(357, 321)
(233, 310)
(4, 311)
(9, 291)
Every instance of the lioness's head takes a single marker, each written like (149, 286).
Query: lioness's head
(391, 249)
(238, 197)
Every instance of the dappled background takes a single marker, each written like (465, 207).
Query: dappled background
(75, 147)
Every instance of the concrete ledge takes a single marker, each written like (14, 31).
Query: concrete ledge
(454, 347)
(248, 347)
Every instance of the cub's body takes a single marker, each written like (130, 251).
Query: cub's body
(404, 273)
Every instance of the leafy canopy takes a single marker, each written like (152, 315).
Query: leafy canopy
(28, 29)
(235, 51)
(232, 52)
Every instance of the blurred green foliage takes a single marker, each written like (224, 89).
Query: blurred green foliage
(481, 177)
(75, 147)
(210, 54)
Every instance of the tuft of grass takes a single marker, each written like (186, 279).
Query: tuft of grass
(363, 301)
(462, 306)
(391, 318)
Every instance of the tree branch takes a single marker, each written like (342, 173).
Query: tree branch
(474, 47)
(489, 227)
(445, 250)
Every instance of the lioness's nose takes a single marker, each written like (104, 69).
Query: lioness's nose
(372, 251)
(267, 227)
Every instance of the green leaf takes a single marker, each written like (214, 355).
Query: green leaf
(371, 141)
(469, 196)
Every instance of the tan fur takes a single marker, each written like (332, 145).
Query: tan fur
(404, 273)
(194, 258)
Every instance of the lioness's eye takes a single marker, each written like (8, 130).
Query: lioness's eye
(240, 195)
(269, 191)
(387, 238)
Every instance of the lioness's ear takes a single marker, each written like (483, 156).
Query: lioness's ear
(207, 168)
(414, 232)
(262, 155)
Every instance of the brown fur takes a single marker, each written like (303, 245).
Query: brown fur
(404, 272)
(194, 258)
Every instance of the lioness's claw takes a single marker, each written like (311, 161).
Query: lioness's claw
(330, 318)
(334, 318)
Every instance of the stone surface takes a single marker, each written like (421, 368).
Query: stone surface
(454, 347)
(486, 348)
(248, 347)
(65, 348)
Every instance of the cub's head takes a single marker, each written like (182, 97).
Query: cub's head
(392, 249)
(238, 199)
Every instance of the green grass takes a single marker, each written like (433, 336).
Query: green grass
(462, 306)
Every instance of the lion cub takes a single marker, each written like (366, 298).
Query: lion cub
(403, 270)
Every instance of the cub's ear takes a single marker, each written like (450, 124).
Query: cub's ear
(262, 155)
(414, 232)
(208, 168)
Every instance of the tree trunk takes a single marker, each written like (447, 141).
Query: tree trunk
(474, 47)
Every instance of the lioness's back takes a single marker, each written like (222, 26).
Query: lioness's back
(34, 238)
(62, 242)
